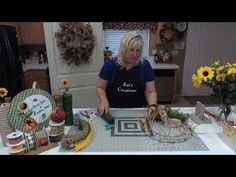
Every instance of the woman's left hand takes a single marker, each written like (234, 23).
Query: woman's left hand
(152, 112)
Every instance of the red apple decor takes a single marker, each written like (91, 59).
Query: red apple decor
(58, 115)
(57, 124)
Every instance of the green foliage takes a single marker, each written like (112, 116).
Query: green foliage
(176, 114)
(23, 114)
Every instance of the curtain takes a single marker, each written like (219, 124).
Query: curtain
(152, 26)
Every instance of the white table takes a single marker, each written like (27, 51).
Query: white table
(206, 132)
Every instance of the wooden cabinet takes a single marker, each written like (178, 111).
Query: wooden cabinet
(32, 33)
(166, 84)
(40, 76)
(166, 80)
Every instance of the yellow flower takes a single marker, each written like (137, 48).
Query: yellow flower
(220, 70)
(228, 65)
(3, 92)
(65, 84)
(231, 71)
(220, 77)
(197, 81)
(216, 63)
(206, 72)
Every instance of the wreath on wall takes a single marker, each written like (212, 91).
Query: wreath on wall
(76, 42)
(168, 33)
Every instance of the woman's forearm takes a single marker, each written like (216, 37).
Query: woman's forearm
(101, 94)
(151, 94)
(103, 101)
(151, 98)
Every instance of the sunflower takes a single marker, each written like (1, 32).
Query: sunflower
(206, 72)
(64, 84)
(220, 70)
(231, 71)
(197, 81)
(3, 92)
(220, 77)
(228, 65)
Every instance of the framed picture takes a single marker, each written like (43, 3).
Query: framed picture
(179, 45)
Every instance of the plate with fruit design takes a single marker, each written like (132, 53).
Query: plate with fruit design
(30, 110)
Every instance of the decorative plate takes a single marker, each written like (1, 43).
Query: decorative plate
(30, 110)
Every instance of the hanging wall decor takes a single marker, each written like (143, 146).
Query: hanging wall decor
(167, 32)
(76, 42)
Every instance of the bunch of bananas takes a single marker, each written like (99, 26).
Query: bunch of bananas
(84, 142)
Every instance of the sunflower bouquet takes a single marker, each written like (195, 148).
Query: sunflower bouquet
(3, 98)
(221, 78)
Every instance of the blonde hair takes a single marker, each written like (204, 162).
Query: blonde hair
(128, 41)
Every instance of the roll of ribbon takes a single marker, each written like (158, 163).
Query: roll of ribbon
(15, 137)
(31, 142)
(16, 152)
(19, 147)
(56, 138)
(42, 138)
(67, 102)
(56, 128)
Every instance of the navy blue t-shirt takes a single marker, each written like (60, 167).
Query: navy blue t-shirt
(110, 68)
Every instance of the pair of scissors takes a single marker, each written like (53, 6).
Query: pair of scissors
(109, 126)
(88, 115)
(85, 114)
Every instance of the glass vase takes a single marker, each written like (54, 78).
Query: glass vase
(225, 109)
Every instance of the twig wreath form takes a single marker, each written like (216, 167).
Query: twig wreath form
(76, 42)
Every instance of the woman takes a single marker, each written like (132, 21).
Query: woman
(128, 80)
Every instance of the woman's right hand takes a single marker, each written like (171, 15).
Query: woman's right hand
(103, 107)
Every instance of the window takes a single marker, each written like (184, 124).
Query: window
(112, 40)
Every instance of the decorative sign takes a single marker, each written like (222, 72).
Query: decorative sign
(30, 110)
(200, 109)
